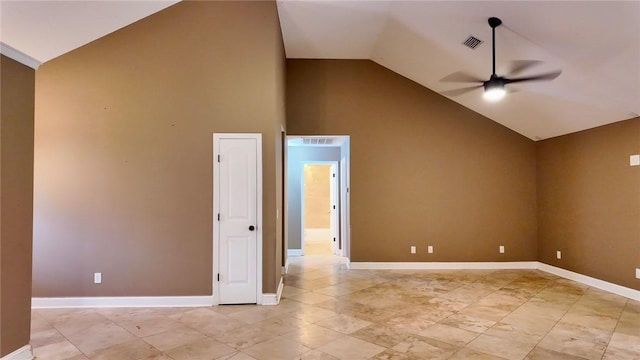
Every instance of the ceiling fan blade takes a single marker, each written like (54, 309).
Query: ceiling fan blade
(461, 77)
(518, 66)
(458, 92)
(547, 76)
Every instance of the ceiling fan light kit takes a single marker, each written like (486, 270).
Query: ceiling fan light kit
(494, 93)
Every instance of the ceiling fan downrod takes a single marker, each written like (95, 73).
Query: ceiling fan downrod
(494, 22)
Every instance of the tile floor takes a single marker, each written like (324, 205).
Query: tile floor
(329, 312)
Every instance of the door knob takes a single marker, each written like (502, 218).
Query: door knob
(251, 227)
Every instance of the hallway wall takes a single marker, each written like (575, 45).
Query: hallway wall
(297, 155)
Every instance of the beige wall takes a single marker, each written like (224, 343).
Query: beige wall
(589, 202)
(16, 202)
(316, 197)
(123, 149)
(442, 175)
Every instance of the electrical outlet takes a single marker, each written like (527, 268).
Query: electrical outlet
(97, 278)
(413, 249)
(430, 249)
(558, 254)
(637, 273)
(501, 249)
(634, 160)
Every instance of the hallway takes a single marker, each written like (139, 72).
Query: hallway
(330, 312)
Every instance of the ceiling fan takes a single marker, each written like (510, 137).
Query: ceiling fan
(494, 88)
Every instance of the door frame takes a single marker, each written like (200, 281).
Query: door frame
(335, 166)
(216, 209)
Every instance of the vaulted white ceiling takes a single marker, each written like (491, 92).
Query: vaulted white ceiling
(595, 44)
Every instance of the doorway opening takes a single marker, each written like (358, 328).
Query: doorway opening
(320, 208)
(318, 195)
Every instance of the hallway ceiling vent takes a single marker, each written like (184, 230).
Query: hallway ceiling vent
(318, 141)
(472, 42)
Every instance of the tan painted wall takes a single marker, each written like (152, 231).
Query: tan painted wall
(589, 202)
(424, 170)
(16, 202)
(123, 151)
(316, 197)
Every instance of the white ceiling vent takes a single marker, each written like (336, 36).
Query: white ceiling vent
(318, 141)
(472, 42)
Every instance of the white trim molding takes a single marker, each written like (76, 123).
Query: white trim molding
(121, 301)
(20, 57)
(295, 252)
(24, 353)
(442, 265)
(588, 280)
(271, 298)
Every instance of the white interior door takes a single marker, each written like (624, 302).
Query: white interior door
(237, 218)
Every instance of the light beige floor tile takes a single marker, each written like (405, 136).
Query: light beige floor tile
(236, 356)
(144, 323)
(200, 349)
(469, 354)
(315, 355)
(98, 337)
(45, 337)
(349, 348)
(539, 353)
(277, 349)
(253, 315)
(572, 346)
(313, 314)
(629, 323)
(508, 349)
(426, 349)
(488, 312)
(310, 297)
(383, 335)
(344, 324)
(468, 323)
(592, 321)
(398, 314)
(627, 342)
(244, 337)
(208, 321)
(314, 336)
(451, 335)
(61, 350)
(568, 330)
(280, 325)
(174, 338)
(135, 349)
(620, 354)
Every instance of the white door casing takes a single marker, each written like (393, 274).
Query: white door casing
(334, 209)
(237, 250)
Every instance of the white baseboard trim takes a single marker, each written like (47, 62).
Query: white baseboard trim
(587, 280)
(271, 298)
(121, 301)
(24, 353)
(442, 265)
(285, 268)
(295, 252)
